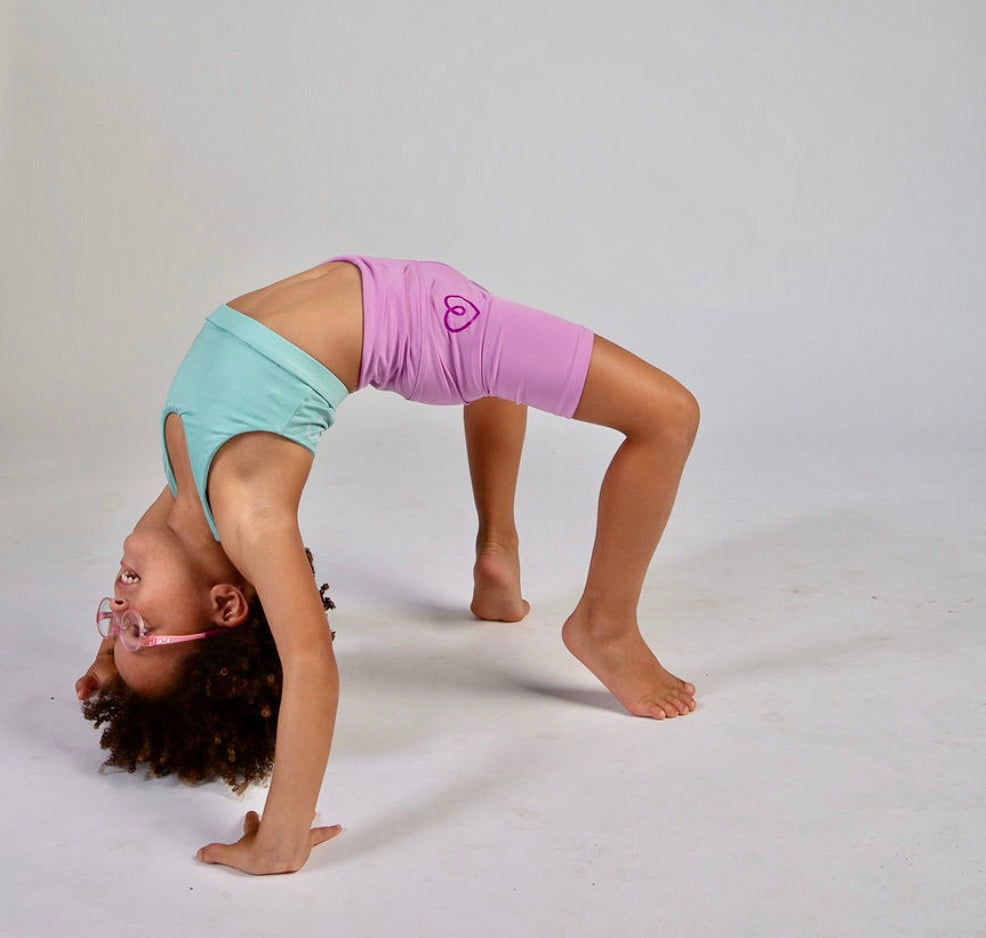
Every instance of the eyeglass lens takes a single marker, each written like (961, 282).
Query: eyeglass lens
(128, 625)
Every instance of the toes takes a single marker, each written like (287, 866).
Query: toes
(657, 709)
(675, 708)
(685, 705)
(668, 708)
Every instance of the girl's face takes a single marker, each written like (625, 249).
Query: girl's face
(172, 587)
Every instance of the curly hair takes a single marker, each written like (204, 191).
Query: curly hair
(219, 722)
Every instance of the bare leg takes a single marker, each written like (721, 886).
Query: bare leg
(494, 441)
(659, 418)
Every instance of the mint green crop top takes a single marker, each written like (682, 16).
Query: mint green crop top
(241, 377)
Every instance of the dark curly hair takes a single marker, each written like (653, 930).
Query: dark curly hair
(219, 722)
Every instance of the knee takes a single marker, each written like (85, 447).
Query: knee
(683, 415)
(673, 417)
(689, 414)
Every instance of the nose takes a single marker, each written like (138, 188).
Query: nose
(120, 606)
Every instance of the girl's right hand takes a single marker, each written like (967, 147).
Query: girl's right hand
(248, 856)
(100, 673)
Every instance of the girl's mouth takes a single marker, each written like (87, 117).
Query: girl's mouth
(128, 576)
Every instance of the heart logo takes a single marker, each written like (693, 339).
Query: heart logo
(460, 313)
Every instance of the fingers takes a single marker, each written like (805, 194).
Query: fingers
(215, 853)
(251, 823)
(322, 834)
(226, 854)
(85, 687)
(100, 674)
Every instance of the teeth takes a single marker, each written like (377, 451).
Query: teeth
(128, 576)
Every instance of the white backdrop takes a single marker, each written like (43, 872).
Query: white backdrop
(781, 203)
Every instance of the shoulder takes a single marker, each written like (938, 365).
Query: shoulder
(256, 478)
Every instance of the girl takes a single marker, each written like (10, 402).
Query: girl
(217, 653)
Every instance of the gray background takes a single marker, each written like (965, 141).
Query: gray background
(780, 203)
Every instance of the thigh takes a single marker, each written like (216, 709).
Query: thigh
(533, 357)
(628, 394)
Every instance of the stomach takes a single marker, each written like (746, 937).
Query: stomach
(320, 310)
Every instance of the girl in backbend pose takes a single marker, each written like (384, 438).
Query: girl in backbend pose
(216, 655)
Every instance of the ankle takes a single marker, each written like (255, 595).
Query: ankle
(602, 622)
(497, 541)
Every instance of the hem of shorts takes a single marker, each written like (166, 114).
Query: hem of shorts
(580, 370)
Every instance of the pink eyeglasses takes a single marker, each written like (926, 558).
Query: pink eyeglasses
(132, 631)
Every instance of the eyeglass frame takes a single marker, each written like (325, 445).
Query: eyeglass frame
(143, 640)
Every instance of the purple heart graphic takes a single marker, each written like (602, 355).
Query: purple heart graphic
(459, 313)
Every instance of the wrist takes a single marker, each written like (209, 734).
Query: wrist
(284, 850)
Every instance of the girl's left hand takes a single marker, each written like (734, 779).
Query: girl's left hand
(101, 672)
(248, 855)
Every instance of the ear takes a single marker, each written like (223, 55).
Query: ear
(229, 605)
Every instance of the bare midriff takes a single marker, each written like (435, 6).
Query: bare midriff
(319, 310)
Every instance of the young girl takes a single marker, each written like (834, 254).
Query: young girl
(217, 653)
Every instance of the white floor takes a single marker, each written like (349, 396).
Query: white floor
(828, 606)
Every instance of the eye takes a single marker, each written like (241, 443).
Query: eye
(132, 627)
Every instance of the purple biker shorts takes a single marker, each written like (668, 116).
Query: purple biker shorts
(434, 336)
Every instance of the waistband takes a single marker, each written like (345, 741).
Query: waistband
(372, 295)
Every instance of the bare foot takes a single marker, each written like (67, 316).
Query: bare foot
(496, 594)
(630, 671)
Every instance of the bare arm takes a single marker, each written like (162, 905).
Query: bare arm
(263, 541)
